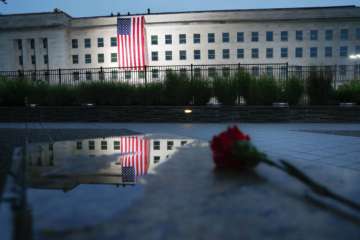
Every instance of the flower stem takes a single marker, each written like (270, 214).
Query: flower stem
(312, 184)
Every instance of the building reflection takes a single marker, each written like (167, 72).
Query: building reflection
(118, 160)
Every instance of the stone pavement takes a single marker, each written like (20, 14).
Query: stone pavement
(186, 199)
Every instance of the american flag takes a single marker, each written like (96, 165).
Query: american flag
(135, 153)
(131, 42)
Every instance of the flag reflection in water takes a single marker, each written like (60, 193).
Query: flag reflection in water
(118, 160)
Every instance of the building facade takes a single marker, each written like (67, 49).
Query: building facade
(294, 36)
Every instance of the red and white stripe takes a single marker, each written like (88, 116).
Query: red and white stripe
(136, 153)
(131, 48)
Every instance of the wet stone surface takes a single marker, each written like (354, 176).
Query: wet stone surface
(184, 198)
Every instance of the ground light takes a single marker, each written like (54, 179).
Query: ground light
(187, 111)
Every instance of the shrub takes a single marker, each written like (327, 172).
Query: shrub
(263, 91)
(292, 91)
(200, 91)
(225, 90)
(14, 92)
(176, 89)
(149, 94)
(242, 81)
(61, 95)
(319, 87)
(349, 92)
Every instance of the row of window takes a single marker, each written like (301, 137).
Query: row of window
(100, 58)
(33, 59)
(313, 35)
(31, 41)
(116, 145)
(100, 42)
(255, 53)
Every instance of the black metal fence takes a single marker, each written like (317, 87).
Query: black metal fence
(338, 73)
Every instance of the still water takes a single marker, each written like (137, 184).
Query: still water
(85, 182)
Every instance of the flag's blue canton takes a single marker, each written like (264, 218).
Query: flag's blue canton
(128, 174)
(124, 25)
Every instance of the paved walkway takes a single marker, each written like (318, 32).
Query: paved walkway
(186, 199)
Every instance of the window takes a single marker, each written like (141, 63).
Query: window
(79, 145)
(141, 74)
(328, 51)
(88, 76)
(116, 145)
(74, 43)
(21, 61)
(196, 38)
(211, 54)
(114, 75)
(113, 42)
(183, 143)
(103, 145)
(357, 34)
(87, 58)
(284, 36)
(284, 52)
(100, 42)
(212, 72)
(87, 43)
(182, 38)
(226, 53)
(46, 59)
(269, 53)
(314, 35)
(33, 59)
(225, 37)
(101, 58)
(254, 36)
(240, 37)
(299, 52)
(299, 35)
(313, 52)
(270, 71)
(344, 34)
(357, 49)
(156, 159)
(168, 39)
(127, 75)
(113, 57)
(170, 145)
(226, 72)
(155, 73)
(76, 76)
(343, 51)
(240, 53)
(91, 145)
(255, 53)
(211, 37)
(19, 44)
(197, 73)
(45, 43)
(32, 43)
(343, 70)
(168, 55)
(329, 35)
(154, 40)
(156, 145)
(75, 59)
(197, 55)
(269, 36)
(154, 56)
(182, 55)
(255, 71)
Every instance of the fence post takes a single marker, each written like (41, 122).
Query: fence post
(145, 72)
(101, 76)
(59, 72)
(191, 72)
(336, 77)
(287, 71)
